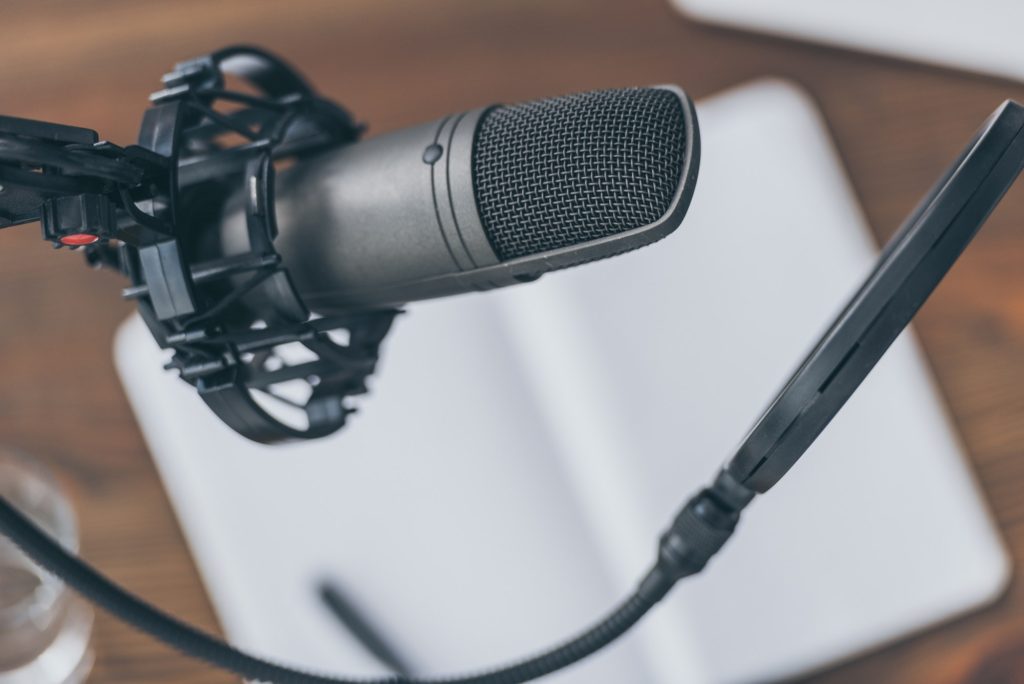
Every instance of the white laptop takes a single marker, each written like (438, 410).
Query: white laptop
(979, 35)
(504, 482)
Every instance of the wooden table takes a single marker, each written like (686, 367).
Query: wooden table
(396, 63)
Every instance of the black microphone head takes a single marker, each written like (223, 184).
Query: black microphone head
(490, 197)
(556, 173)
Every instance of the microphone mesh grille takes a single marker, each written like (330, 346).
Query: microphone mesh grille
(555, 173)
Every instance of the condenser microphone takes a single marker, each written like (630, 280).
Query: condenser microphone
(251, 221)
(482, 199)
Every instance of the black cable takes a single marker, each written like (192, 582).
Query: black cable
(698, 532)
(86, 580)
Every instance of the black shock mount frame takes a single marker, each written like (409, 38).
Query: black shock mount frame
(145, 210)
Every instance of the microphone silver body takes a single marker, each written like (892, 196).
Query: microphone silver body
(398, 218)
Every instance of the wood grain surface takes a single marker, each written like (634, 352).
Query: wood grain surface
(896, 125)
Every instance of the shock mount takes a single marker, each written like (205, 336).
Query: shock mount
(217, 129)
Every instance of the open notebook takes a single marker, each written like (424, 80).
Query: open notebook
(520, 451)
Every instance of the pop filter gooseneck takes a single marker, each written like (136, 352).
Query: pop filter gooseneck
(698, 533)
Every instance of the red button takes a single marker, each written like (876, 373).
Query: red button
(78, 239)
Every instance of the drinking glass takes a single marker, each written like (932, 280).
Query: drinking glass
(44, 628)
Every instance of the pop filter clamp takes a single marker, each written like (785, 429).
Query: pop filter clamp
(140, 209)
(92, 193)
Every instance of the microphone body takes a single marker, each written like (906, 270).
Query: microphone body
(483, 199)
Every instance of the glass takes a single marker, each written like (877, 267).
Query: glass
(44, 627)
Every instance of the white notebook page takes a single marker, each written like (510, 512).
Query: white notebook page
(520, 451)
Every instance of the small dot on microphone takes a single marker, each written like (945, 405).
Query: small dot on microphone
(432, 153)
